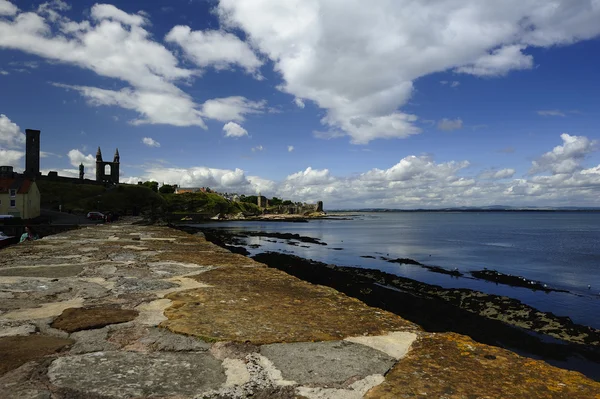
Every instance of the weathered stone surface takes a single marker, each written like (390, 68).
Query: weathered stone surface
(91, 341)
(395, 344)
(230, 298)
(142, 285)
(43, 271)
(132, 374)
(77, 319)
(209, 258)
(454, 366)
(326, 363)
(21, 383)
(15, 351)
(22, 330)
(261, 306)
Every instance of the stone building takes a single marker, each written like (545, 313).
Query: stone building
(19, 195)
(107, 172)
(32, 152)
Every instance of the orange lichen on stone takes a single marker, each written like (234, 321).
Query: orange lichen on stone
(262, 305)
(454, 366)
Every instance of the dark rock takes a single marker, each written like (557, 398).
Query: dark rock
(514, 281)
(403, 261)
(16, 351)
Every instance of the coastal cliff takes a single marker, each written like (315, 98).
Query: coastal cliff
(125, 310)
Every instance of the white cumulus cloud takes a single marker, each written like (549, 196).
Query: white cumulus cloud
(358, 60)
(10, 133)
(219, 49)
(231, 108)
(413, 182)
(7, 8)
(290, 148)
(150, 142)
(232, 129)
(566, 158)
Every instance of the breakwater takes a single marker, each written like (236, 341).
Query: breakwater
(127, 310)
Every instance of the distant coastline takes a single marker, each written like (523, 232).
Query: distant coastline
(442, 210)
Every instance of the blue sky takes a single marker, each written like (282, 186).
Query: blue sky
(397, 104)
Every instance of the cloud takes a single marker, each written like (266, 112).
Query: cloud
(76, 158)
(150, 142)
(258, 148)
(11, 158)
(102, 12)
(222, 180)
(450, 124)
(498, 174)
(412, 182)
(290, 148)
(3, 72)
(10, 133)
(358, 60)
(499, 62)
(218, 49)
(112, 44)
(7, 8)
(232, 129)
(566, 158)
(454, 83)
(299, 103)
(553, 112)
(175, 109)
(231, 108)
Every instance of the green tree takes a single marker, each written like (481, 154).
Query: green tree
(275, 201)
(151, 185)
(252, 199)
(166, 189)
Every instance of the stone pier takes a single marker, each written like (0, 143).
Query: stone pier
(131, 311)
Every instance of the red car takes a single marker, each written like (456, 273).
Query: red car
(95, 216)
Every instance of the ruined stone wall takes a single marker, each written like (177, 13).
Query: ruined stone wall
(297, 209)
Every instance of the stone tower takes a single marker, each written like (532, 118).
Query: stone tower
(81, 171)
(99, 166)
(32, 152)
(107, 172)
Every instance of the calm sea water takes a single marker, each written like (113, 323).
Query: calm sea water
(560, 249)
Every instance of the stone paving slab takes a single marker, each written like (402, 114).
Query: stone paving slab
(334, 363)
(133, 374)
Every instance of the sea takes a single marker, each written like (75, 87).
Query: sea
(560, 249)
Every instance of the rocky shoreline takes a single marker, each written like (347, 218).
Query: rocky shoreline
(490, 319)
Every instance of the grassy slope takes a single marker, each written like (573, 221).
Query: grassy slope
(127, 199)
(81, 198)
